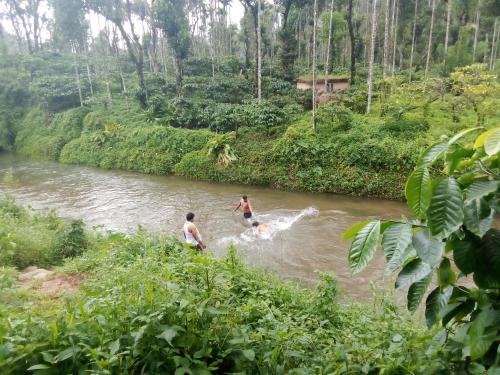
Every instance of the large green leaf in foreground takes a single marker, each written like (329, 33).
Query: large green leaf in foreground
(446, 212)
(418, 191)
(363, 247)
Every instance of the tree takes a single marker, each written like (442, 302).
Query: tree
(314, 65)
(371, 56)
(453, 230)
(448, 18)
(386, 37)
(429, 45)
(25, 15)
(70, 26)
(171, 16)
(413, 36)
(352, 42)
(120, 13)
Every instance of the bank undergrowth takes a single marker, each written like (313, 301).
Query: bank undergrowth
(150, 305)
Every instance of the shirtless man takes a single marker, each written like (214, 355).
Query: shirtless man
(245, 206)
(259, 228)
(191, 234)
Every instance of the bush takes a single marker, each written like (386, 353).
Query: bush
(70, 241)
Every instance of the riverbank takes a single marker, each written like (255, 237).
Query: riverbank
(348, 154)
(146, 302)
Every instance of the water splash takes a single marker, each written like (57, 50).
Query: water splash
(273, 227)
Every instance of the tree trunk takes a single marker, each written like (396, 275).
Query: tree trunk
(395, 38)
(494, 45)
(490, 65)
(77, 75)
(178, 76)
(372, 54)
(413, 40)
(448, 18)
(314, 67)
(386, 37)
(329, 42)
(476, 31)
(353, 42)
(429, 46)
(259, 54)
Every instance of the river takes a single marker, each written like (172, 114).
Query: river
(305, 229)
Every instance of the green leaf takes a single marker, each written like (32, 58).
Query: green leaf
(445, 274)
(416, 292)
(428, 248)
(38, 367)
(396, 239)
(353, 230)
(446, 212)
(466, 253)
(114, 347)
(435, 305)
(248, 354)
(461, 134)
(414, 271)
(455, 156)
(398, 259)
(481, 189)
(458, 311)
(363, 247)
(480, 338)
(65, 354)
(432, 153)
(170, 333)
(478, 216)
(418, 191)
(492, 142)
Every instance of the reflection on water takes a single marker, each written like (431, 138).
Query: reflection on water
(304, 230)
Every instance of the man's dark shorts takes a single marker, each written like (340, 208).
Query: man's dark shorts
(247, 215)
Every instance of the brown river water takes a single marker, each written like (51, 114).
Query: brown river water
(305, 229)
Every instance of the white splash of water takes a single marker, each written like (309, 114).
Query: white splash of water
(272, 227)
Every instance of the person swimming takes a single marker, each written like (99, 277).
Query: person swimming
(245, 206)
(259, 228)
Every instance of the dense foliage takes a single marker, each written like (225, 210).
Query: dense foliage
(454, 222)
(150, 305)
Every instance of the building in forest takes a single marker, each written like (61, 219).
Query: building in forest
(324, 88)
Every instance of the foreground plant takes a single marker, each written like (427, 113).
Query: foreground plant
(452, 236)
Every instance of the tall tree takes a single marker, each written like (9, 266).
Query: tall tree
(353, 42)
(70, 26)
(259, 51)
(372, 54)
(315, 16)
(329, 42)
(413, 36)
(429, 45)
(26, 15)
(448, 21)
(476, 31)
(119, 12)
(395, 38)
(171, 16)
(386, 38)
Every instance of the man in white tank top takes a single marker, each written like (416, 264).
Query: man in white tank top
(191, 234)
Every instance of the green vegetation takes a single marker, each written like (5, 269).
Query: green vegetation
(150, 305)
(28, 237)
(455, 222)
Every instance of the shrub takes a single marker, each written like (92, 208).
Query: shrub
(70, 241)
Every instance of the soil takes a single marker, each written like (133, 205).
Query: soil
(48, 283)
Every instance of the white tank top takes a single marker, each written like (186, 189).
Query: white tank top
(188, 235)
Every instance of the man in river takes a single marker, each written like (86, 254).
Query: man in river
(259, 228)
(191, 234)
(245, 206)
